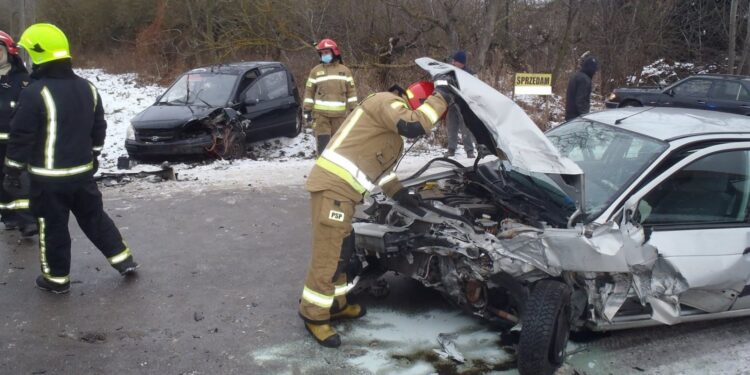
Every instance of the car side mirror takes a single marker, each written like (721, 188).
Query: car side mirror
(251, 101)
(670, 92)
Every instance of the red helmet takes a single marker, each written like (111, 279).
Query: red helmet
(328, 44)
(8, 42)
(418, 92)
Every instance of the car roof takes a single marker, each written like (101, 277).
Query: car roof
(724, 76)
(672, 123)
(236, 67)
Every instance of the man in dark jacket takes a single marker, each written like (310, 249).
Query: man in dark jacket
(14, 209)
(578, 96)
(56, 134)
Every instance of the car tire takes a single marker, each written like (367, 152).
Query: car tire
(545, 328)
(298, 125)
(631, 103)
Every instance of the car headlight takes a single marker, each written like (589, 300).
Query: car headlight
(131, 133)
(612, 97)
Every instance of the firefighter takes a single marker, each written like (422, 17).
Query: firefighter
(359, 159)
(56, 134)
(14, 211)
(329, 93)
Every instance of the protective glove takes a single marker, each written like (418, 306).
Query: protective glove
(308, 116)
(96, 160)
(443, 83)
(404, 198)
(12, 182)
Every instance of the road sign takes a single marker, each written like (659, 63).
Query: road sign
(533, 84)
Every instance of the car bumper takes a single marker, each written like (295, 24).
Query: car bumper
(192, 146)
(609, 104)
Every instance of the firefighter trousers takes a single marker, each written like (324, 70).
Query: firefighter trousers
(326, 283)
(324, 128)
(13, 209)
(52, 203)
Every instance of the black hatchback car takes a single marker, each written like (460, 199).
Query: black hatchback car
(263, 96)
(717, 92)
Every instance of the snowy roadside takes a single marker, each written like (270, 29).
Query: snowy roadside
(271, 162)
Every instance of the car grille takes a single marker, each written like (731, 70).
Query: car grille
(155, 135)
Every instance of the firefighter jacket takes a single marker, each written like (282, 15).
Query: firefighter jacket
(361, 156)
(330, 90)
(11, 85)
(57, 127)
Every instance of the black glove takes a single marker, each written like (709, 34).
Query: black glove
(308, 116)
(95, 155)
(443, 83)
(404, 198)
(12, 182)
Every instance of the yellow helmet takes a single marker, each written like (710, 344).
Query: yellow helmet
(45, 42)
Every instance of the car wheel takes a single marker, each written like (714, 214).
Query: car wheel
(298, 125)
(630, 103)
(545, 328)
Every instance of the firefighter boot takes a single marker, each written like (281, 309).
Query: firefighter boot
(350, 311)
(324, 334)
(126, 267)
(49, 286)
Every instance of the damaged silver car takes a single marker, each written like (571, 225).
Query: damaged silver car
(619, 219)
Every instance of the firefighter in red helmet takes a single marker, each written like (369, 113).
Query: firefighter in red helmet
(359, 160)
(14, 205)
(329, 93)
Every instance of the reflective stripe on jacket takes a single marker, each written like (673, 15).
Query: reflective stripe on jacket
(11, 86)
(58, 124)
(330, 90)
(360, 157)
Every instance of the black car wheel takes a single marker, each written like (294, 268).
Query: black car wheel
(298, 125)
(631, 103)
(545, 328)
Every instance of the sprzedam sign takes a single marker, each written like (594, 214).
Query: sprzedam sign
(533, 84)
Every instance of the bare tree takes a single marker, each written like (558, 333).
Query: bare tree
(732, 36)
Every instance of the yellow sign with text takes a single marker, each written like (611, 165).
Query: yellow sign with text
(533, 84)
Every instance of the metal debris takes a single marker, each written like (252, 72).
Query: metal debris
(449, 350)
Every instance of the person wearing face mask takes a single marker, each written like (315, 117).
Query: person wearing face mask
(329, 93)
(14, 207)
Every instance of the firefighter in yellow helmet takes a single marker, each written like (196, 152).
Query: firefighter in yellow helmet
(329, 93)
(56, 134)
(358, 160)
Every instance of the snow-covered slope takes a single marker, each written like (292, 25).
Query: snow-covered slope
(276, 161)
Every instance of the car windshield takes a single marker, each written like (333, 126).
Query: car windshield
(201, 89)
(610, 158)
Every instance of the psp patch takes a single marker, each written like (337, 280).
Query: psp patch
(336, 215)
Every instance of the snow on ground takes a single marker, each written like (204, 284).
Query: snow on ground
(275, 161)
(391, 342)
(122, 98)
(663, 72)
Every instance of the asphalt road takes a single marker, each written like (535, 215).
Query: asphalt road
(221, 273)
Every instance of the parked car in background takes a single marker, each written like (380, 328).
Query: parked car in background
(262, 96)
(717, 92)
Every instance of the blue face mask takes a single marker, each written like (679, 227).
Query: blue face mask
(326, 59)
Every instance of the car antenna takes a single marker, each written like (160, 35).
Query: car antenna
(620, 120)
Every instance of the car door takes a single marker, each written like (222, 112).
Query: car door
(692, 93)
(697, 216)
(269, 102)
(724, 97)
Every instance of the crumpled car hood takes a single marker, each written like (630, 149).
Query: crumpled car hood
(506, 130)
